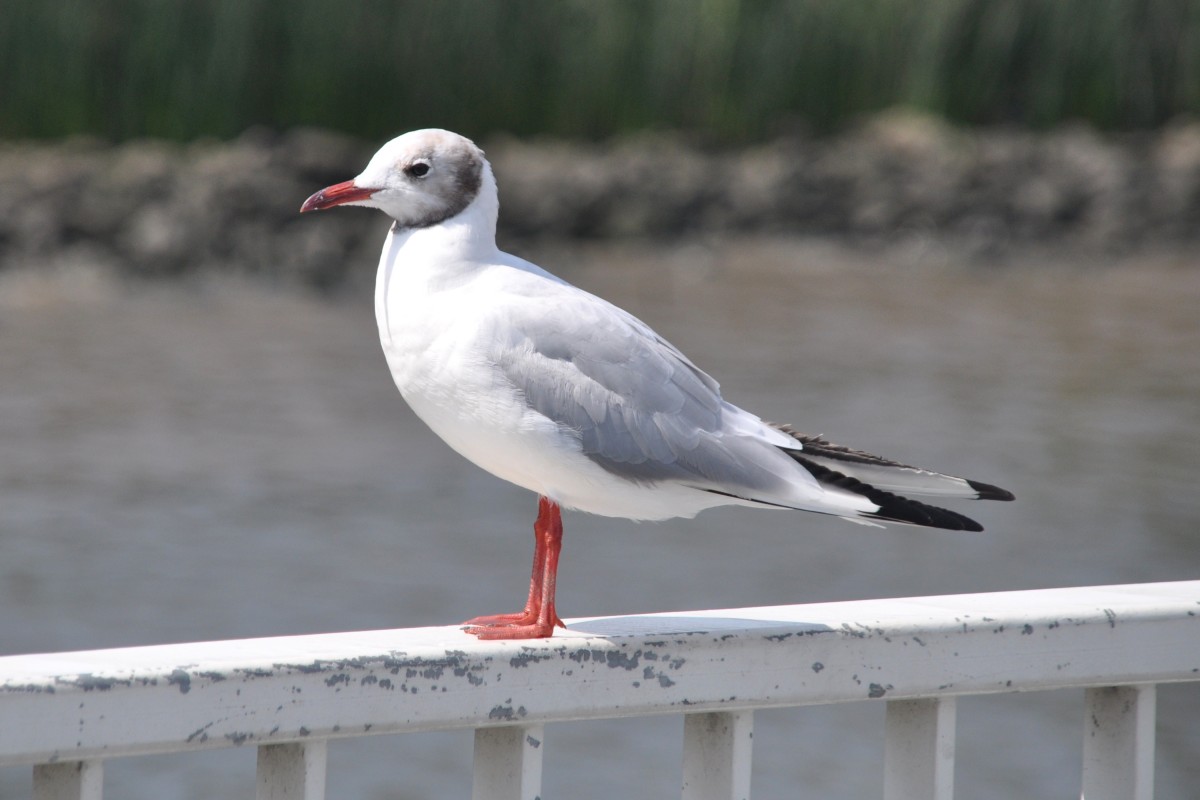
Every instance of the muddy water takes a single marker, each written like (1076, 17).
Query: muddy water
(217, 459)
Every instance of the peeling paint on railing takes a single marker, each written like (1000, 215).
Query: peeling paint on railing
(85, 706)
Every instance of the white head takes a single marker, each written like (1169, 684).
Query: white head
(420, 179)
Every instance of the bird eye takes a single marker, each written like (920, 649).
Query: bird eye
(418, 169)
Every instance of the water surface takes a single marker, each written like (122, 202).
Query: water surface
(222, 459)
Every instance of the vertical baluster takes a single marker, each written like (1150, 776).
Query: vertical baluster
(1118, 742)
(70, 780)
(717, 751)
(293, 771)
(508, 763)
(918, 761)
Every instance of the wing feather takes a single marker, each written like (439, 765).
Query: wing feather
(641, 409)
(645, 413)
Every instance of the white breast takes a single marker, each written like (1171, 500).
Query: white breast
(435, 326)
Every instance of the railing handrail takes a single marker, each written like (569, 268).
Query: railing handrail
(105, 703)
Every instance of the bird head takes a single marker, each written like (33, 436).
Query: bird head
(419, 179)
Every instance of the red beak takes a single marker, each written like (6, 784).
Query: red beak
(336, 195)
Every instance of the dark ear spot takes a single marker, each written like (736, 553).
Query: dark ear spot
(470, 176)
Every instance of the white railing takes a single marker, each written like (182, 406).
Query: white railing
(65, 713)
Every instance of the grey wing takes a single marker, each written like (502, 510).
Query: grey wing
(641, 409)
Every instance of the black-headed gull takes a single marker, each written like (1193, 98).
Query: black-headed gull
(563, 393)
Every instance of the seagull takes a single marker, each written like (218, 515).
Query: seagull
(567, 395)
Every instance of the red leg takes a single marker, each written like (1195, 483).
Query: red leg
(538, 619)
(530, 613)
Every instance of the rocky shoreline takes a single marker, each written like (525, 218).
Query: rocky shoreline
(151, 208)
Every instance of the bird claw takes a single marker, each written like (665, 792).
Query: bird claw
(525, 617)
(534, 631)
(521, 625)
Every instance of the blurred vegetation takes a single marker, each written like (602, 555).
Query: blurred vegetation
(730, 70)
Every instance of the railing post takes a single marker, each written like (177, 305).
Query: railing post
(717, 751)
(508, 763)
(70, 780)
(293, 771)
(1118, 743)
(918, 762)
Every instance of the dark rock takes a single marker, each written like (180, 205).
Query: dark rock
(156, 208)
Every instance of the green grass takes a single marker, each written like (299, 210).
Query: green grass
(730, 70)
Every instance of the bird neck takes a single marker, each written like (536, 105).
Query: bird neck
(468, 236)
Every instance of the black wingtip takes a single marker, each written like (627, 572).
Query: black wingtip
(892, 507)
(911, 512)
(989, 492)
